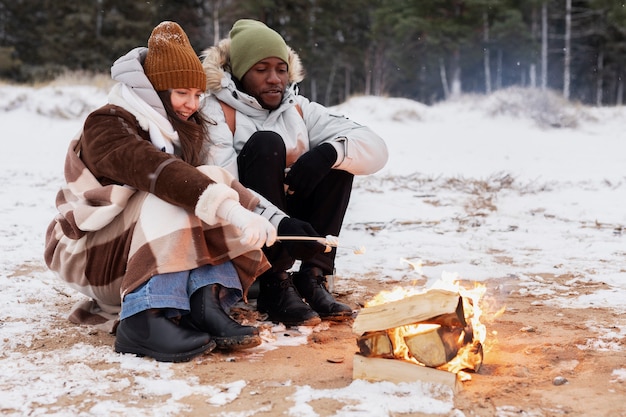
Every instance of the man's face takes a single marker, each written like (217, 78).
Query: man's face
(266, 81)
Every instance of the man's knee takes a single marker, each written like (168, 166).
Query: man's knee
(266, 144)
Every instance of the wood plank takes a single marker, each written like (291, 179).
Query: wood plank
(448, 320)
(375, 344)
(409, 310)
(435, 346)
(396, 371)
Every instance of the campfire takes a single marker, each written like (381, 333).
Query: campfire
(432, 335)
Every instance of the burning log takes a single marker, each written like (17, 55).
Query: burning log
(431, 344)
(375, 344)
(413, 309)
(434, 345)
(423, 331)
(379, 369)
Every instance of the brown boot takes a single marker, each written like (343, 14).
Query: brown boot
(311, 284)
(282, 303)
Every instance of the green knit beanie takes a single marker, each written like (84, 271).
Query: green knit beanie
(252, 41)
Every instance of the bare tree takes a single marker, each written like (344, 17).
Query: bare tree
(456, 72)
(217, 4)
(544, 45)
(444, 78)
(99, 18)
(378, 78)
(567, 49)
(600, 76)
(486, 59)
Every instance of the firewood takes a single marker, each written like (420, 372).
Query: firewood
(375, 344)
(448, 320)
(435, 345)
(396, 371)
(409, 310)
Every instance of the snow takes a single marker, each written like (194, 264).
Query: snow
(469, 183)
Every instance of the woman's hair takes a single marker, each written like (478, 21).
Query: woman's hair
(193, 133)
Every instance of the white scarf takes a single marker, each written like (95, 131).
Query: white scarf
(162, 134)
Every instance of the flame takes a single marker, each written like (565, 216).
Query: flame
(397, 293)
(398, 335)
(470, 356)
(471, 338)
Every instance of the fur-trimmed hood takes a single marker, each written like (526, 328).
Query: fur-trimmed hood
(216, 63)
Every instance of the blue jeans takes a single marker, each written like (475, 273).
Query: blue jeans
(172, 291)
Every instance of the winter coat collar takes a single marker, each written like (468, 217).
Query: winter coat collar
(128, 70)
(135, 93)
(162, 134)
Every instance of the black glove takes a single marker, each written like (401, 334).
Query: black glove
(309, 169)
(299, 249)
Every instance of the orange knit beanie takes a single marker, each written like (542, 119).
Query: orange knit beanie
(171, 62)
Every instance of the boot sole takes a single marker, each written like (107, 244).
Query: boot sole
(313, 321)
(225, 342)
(337, 317)
(237, 342)
(289, 321)
(166, 357)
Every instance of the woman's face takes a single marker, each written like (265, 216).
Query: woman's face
(185, 101)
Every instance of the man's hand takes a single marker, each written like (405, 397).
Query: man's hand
(309, 170)
(299, 249)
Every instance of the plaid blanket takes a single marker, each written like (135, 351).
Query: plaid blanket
(108, 240)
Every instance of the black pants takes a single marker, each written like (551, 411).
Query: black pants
(262, 168)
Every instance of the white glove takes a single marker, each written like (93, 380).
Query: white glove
(221, 202)
(257, 231)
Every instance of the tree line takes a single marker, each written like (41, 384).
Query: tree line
(427, 50)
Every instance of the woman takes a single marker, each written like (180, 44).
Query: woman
(144, 229)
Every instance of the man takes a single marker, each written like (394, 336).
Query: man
(295, 153)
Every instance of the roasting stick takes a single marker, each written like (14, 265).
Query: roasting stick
(313, 238)
(330, 241)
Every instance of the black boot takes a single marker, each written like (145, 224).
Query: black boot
(208, 316)
(311, 284)
(282, 303)
(150, 333)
